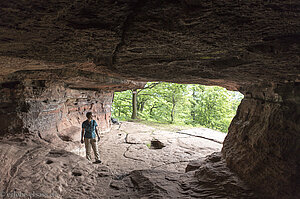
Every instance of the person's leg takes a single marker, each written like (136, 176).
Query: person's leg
(95, 149)
(87, 143)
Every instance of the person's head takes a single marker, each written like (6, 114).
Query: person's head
(89, 115)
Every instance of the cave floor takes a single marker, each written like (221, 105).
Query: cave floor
(131, 167)
(128, 147)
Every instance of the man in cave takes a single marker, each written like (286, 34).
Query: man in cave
(88, 137)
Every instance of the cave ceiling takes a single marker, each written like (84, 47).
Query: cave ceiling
(83, 43)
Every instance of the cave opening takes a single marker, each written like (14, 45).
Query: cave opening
(151, 143)
(53, 114)
(192, 105)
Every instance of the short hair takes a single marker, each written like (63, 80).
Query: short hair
(89, 114)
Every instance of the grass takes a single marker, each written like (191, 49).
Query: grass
(148, 145)
(164, 126)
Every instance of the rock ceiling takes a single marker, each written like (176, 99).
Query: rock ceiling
(227, 43)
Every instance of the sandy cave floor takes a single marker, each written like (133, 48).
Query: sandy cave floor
(127, 147)
(130, 169)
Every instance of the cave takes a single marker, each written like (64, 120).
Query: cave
(60, 59)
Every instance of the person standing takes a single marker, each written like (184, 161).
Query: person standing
(88, 137)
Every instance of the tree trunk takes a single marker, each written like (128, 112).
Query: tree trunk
(173, 109)
(151, 109)
(138, 106)
(142, 106)
(193, 108)
(134, 105)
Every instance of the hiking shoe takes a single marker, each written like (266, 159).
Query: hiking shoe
(97, 162)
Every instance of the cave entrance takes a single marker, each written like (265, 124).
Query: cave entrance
(173, 124)
(178, 104)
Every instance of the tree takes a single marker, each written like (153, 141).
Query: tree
(213, 107)
(134, 104)
(192, 104)
(139, 106)
(122, 105)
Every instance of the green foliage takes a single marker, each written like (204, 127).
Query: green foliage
(182, 104)
(213, 107)
(148, 145)
(122, 106)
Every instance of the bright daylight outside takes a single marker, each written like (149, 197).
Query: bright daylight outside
(191, 105)
(168, 125)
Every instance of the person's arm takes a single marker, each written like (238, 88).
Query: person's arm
(82, 134)
(96, 130)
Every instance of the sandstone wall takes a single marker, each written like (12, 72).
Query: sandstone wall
(262, 145)
(50, 110)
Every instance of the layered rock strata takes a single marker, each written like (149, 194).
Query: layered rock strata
(226, 43)
(262, 145)
(51, 111)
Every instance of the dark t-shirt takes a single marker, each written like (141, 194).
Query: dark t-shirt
(89, 128)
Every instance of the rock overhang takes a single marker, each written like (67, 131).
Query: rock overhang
(80, 76)
(225, 43)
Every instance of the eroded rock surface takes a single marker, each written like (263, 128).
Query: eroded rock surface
(128, 147)
(32, 168)
(51, 111)
(226, 43)
(264, 138)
